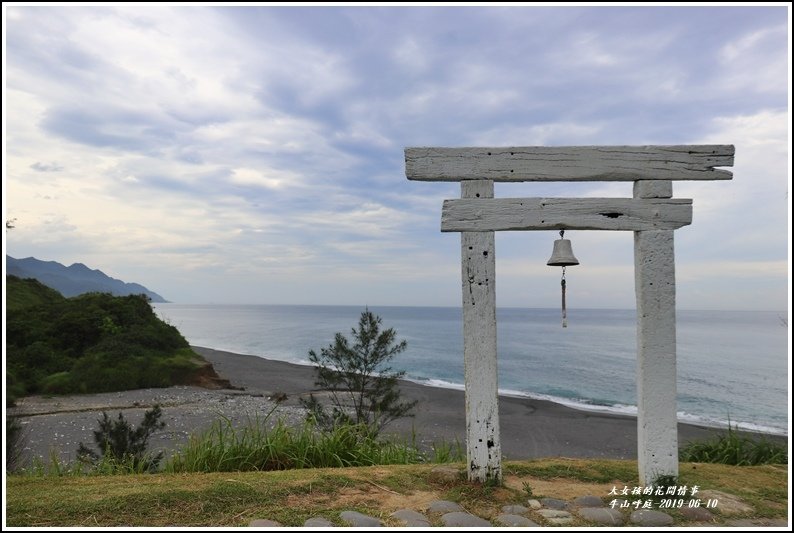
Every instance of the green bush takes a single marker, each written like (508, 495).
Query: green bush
(363, 387)
(58, 383)
(731, 448)
(90, 343)
(120, 444)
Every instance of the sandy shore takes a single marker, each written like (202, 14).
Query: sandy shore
(530, 428)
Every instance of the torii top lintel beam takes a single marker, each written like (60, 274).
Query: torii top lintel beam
(571, 163)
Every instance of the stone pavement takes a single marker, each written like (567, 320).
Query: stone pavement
(582, 511)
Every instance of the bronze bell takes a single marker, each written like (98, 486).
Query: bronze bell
(562, 254)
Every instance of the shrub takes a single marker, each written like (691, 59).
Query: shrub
(119, 442)
(358, 378)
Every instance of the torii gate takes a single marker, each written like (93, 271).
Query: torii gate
(652, 214)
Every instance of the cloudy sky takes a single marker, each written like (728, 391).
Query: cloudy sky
(255, 154)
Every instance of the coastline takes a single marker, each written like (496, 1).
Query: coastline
(530, 428)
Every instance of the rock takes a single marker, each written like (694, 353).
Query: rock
(698, 514)
(356, 519)
(602, 515)
(261, 522)
(444, 474)
(758, 522)
(514, 520)
(411, 518)
(444, 506)
(554, 503)
(650, 518)
(727, 504)
(514, 509)
(458, 519)
(588, 501)
(318, 521)
(534, 504)
(553, 513)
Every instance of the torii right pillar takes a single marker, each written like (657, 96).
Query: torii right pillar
(654, 284)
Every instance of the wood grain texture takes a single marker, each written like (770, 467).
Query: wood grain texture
(478, 272)
(503, 214)
(570, 163)
(657, 423)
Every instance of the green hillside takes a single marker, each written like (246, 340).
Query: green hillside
(23, 293)
(89, 343)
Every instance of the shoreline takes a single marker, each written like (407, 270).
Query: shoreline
(530, 428)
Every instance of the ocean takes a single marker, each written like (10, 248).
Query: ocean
(732, 365)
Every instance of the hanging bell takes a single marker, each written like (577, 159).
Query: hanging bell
(562, 254)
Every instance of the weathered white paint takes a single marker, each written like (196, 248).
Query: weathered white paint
(653, 189)
(570, 163)
(499, 214)
(483, 449)
(657, 426)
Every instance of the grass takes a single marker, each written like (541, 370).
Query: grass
(226, 499)
(733, 448)
(259, 447)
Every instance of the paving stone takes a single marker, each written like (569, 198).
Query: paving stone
(602, 515)
(458, 519)
(357, 519)
(318, 521)
(560, 521)
(650, 518)
(698, 514)
(445, 474)
(554, 503)
(444, 506)
(411, 518)
(588, 501)
(534, 504)
(727, 504)
(553, 513)
(758, 522)
(261, 522)
(514, 509)
(514, 520)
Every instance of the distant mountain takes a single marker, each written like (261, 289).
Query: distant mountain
(75, 279)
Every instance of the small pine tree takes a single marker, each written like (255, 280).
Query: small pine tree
(118, 441)
(363, 389)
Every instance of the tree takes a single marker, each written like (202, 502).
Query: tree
(119, 442)
(363, 388)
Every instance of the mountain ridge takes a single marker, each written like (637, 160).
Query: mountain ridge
(75, 279)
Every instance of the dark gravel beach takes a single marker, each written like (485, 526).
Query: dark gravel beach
(529, 428)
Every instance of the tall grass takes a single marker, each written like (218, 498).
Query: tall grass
(731, 448)
(259, 447)
(106, 466)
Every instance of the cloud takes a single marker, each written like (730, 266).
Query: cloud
(178, 146)
(46, 167)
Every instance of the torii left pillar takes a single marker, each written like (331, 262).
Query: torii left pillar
(483, 449)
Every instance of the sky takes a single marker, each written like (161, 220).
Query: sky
(254, 155)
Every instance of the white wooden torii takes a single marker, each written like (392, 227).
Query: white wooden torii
(652, 214)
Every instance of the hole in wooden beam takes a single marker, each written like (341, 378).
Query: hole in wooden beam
(611, 215)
